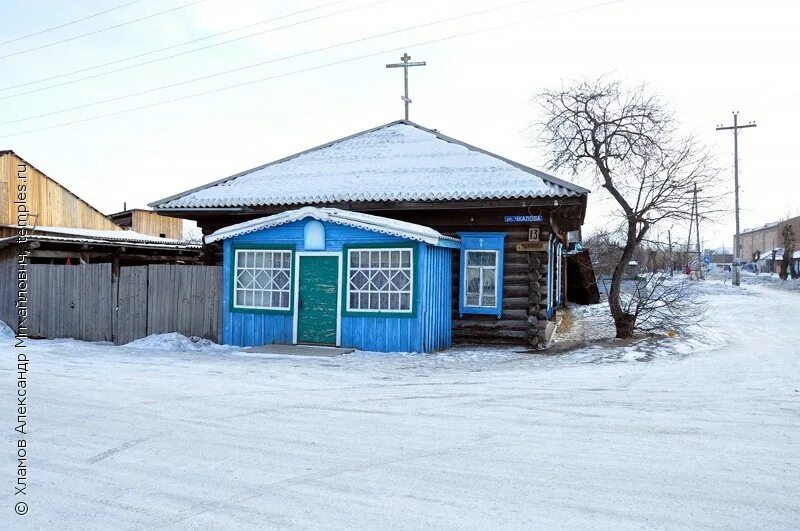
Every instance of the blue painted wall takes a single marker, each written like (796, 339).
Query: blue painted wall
(428, 329)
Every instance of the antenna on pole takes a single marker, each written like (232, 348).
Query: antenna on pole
(404, 65)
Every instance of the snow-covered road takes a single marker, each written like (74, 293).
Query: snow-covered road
(135, 438)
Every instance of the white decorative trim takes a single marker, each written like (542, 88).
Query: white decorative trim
(357, 220)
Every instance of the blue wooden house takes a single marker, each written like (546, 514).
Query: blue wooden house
(398, 185)
(332, 277)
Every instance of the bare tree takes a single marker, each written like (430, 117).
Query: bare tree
(789, 238)
(630, 144)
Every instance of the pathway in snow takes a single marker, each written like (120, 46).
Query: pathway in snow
(703, 433)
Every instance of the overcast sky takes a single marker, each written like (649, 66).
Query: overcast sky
(705, 59)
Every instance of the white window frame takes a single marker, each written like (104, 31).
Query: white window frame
(411, 270)
(236, 289)
(480, 278)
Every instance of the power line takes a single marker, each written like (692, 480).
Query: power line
(101, 30)
(293, 24)
(122, 60)
(262, 63)
(317, 67)
(71, 22)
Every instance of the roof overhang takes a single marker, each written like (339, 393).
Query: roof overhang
(401, 229)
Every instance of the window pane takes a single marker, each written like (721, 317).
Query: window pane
(472, 299)
(488, 281)
(473, 258)
(405, 301)
(380, 280)
(377, 279)
(473, 280)
(263, 279)
(488, 301)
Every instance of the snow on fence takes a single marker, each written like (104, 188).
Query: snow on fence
(87, 302)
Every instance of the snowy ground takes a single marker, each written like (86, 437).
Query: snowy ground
(771, 280)
(697, 431)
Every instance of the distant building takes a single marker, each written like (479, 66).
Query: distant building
(148, 222)
(62, 228)
(755, 243)
(721, 255)
(764, 245)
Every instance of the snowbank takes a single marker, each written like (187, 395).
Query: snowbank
(772, 281)
(5, 331)
(175, 342)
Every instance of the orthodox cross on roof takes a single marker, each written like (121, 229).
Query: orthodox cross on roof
(404, 65)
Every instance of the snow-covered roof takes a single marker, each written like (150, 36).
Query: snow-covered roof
(97, 236)
(393, 227)
(399, 161)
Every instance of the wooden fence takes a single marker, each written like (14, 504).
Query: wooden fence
(87, 302)
(8, 287)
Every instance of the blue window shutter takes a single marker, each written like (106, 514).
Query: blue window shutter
(482, 248)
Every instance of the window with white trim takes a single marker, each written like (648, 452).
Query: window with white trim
(481, 279)
(263, 279)
(380, 280)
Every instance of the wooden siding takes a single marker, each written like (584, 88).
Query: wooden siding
(148, 222)
(435, 290)
(381, 333)
(54, 205)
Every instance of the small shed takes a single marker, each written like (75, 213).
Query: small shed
(327, 276)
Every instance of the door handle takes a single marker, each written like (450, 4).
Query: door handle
(300, 304)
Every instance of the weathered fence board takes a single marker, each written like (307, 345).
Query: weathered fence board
(70, 301)
(184, 299)
(8, 287)
(130, 317)
(87, 302)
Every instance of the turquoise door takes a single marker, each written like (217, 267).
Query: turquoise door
(317, 299)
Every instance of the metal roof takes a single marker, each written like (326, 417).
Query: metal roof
(398, 161)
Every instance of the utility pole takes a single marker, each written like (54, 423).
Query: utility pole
(697, 230)
(689, 242)
(735, 128)
(404, 65)
(671, 263)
